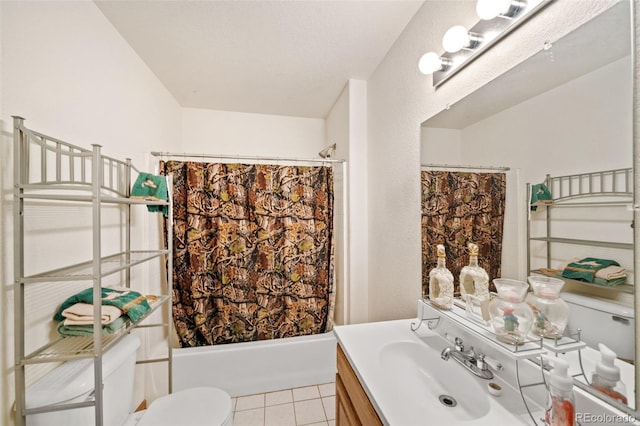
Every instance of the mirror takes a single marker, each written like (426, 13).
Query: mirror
(565, 110)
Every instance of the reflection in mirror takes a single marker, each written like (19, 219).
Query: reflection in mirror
(565, 111)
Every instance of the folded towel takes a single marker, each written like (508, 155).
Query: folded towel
(611, 272)
(585, 269)
(610, 283)
(540, 195)
(87, 330)
(607, 283)
(153, 188)
(564, 264)
(130, 302)
(82, 314)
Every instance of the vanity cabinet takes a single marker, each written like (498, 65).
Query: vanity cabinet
(352, 404)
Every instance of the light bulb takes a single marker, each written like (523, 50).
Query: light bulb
(455, 39)
(429, 63)
(489, 9)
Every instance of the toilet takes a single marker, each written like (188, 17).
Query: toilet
(602, 321)
(72, 382)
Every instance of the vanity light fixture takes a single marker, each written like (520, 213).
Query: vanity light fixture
(431, 62)
(497, 19)
(489, 9)
(458, 37)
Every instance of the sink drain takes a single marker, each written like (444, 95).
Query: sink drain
(447, 400)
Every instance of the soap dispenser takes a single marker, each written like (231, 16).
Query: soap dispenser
(606, 378)
(474, 286)
(441, 282)
(560, 408)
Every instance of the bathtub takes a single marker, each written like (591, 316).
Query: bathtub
(257, 367)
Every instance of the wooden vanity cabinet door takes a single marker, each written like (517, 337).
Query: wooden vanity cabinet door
(345, 413)
(352, 404)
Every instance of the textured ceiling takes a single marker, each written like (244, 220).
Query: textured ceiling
(271, 57)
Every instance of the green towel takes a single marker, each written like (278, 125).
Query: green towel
(585, 269)
(540, 194)
(130, 302)
(610, 283)
(153, 188)
(87, 330)
(600, 281)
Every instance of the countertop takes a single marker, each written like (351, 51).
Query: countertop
(399, 405)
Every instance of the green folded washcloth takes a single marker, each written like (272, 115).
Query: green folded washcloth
(540, 194)
(610, 283)
(87, 330)
(130, 302)
(153, 188)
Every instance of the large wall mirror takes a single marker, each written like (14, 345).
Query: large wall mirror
(567, 110)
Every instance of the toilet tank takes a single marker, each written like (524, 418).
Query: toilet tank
(602, 321)
(72, 381)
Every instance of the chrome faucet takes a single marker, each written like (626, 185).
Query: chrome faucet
(472, 361)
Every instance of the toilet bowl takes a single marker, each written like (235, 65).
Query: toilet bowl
(72, 382)
(190, 407)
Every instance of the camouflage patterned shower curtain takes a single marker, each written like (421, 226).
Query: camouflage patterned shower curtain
(458, 208)
(253, 251)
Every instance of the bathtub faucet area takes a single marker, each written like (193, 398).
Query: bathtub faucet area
(472, 361)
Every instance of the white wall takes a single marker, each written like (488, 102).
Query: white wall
(447, 148)
(358, 201)
(71, 75)
(337, 131)
(347, 127)
(237, 133)
(569, 129)
(399, 100)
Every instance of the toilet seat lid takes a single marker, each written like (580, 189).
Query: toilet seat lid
(190, 407)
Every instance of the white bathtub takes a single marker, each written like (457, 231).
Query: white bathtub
(257, 367)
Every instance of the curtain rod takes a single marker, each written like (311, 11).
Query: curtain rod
(450, 166)
(244, 157)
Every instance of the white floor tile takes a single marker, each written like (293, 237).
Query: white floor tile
(280, 415)
(309, 411)
(329, 404)
(281, 397)
(327, 389)
(308, 406)
(253, 417)
(308, 392)
(250, 401)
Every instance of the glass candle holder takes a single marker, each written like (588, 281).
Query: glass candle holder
(550, 312)
(511, 316)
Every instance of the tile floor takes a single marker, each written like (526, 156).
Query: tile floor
(309, 406)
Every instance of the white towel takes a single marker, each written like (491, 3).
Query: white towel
(611, 272)
(82, 314)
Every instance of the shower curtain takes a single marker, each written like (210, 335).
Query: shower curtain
(253, 251)
(459, 208)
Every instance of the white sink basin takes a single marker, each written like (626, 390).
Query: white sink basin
(404, 378)
(442, 391)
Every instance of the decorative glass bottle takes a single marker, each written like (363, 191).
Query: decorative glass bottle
(474, 286)
(550, 312)
(511, 316)
(441, 282)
